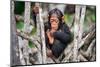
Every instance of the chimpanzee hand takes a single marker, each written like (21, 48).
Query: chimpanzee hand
(50, 37)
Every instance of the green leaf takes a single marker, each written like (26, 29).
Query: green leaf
(31, 45)
(20, 25)
(33, 31)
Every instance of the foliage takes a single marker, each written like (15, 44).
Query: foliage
(33, 31)
(31, 45)
(20, 25)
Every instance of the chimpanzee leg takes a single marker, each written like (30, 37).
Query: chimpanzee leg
(57, 48)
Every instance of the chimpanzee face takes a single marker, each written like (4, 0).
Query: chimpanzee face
(54, 21)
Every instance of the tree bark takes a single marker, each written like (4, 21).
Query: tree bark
(42, 36)
(86, 40)
(27, 17)
(26, 30)
(76, 33)
(19, 17)
(78, 29)
(81, 22)
(14, 41)
(89, 52)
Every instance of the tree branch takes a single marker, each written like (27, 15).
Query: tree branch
(19, 17)
(87, 40)
(25, 36)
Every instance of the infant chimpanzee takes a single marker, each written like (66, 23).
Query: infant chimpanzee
(57, 33)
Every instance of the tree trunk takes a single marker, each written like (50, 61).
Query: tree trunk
(42, 33)
(78, 29)
(39, 54)
(27, 17)
(81, 23)
(26, 30)
(76, 33)
(14, 41)
(20, 42)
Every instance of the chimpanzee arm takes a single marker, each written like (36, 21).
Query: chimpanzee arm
(64, 36)
(48, 45)
(57, 48)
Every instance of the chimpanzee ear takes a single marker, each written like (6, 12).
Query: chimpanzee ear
(63, 18)
(48, 16)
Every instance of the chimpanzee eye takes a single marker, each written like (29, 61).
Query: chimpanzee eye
(51, 20)
(54, 20)
(57, 21)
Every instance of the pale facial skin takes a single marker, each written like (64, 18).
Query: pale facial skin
(54, 26)
(54, 22)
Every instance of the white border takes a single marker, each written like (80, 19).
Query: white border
(5, 32)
